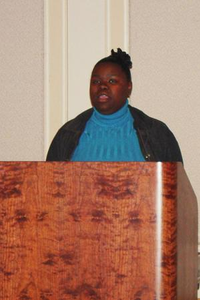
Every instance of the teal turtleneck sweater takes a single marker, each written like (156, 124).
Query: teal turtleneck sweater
(109, 138)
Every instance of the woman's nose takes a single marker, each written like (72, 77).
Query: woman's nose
(103, 86)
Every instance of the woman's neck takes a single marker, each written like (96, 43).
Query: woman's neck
(112, 119)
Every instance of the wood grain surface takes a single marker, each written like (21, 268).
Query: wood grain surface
(87, 231)
(187, 239)
(168, 288)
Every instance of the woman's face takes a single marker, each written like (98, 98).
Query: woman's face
(109, 88)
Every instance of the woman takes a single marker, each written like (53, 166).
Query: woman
(113, 130)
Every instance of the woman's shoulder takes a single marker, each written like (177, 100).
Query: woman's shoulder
(66, 137)
(78, 122)
(157, 132)
(143, 120)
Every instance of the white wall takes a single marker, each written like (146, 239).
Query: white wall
(165, 49)
(21, 80)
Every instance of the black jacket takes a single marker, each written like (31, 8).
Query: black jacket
(157, 142)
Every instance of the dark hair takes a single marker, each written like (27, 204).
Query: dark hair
(122, 59)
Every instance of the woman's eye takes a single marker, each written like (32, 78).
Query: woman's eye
(112, 81)
(95, 81)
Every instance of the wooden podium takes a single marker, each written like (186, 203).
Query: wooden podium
(97, 231)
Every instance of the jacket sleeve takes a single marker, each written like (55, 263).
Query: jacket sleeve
(63, 144)
(173, 151)
(166, 144)
(67, 138)
(54, 151)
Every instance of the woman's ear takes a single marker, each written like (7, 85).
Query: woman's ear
(130, 86)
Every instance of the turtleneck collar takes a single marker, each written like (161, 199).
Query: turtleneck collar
(116, 118)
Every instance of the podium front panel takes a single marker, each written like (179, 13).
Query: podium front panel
(99, 231)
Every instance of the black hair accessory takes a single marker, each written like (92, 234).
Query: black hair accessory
(121, 58)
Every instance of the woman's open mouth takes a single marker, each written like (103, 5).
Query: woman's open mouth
(103, 98)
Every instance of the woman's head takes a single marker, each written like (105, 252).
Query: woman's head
(111, 83)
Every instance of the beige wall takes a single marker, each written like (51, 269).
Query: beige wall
(165, 48)
(21, 79)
